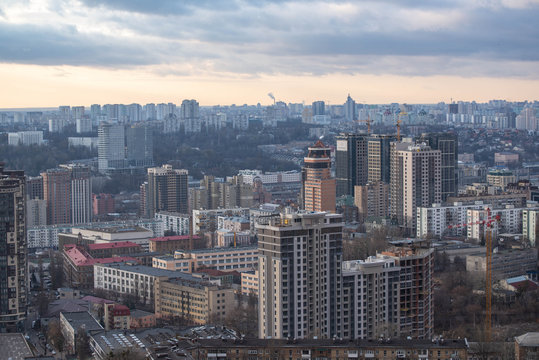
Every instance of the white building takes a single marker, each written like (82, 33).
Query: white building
(249, 176)
(509, 220)
(87, 142)
(57, 124)
(36, 212)
(111, 147)
(83, 125)
(438, 220)
(530, 219)
(173, 221)
(25, 138)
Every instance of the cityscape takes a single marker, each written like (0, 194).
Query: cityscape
(167, 191)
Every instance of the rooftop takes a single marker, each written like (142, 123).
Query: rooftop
(119, 244)
(528, 339)
(136, 313)
(81, 258)
(148, 270)
(174, 238)
(97, 300)
(79, 319)
(14, 347)
(219, 249)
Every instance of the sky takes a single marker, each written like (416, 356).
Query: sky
(79, 52)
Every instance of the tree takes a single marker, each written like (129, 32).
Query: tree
(42, 303)
(56, 270)
(126, 354)
(54, 333)
(82, 344)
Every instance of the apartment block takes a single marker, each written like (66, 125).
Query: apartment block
(174, 221)
(440, 220)
(249, 283)
(372, 200)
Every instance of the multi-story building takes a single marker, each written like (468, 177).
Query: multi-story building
(350, 111)
(507, 220)
(34, 187)
(173, 221)
(530, 219)
(227, 237)
(447, 143)
(527, 346)
(71, 323)
(103, 234)
(14, 251)
(169, 244)
(300, 284)
(207, 220)
(438, 220)
(415, 181)
(378, 157)
(36, 212)
(120, 248)
(117, 316)
(371, 298)
(351, 162)
(416, 296)
(57, 193)
(318, 191)
(102, 204)
(241, 258)
(249, 283)
(81, 193)
(505, 263)
(25, 138)
(372, 200)
(190, 117)
(194, 299)
(130, 278)
(216, 193)
(111, 147)
(139, 141)
(83, 125)
(166, 190)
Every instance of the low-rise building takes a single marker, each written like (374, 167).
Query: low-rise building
(169, 244)
(173, 221)
(117, 316)
(108, 235)
(71, 323)
(194, 299)
(241, 258)
(120, 248)
(227, 237)
(505, 263)
(142, 319)
(527, 346)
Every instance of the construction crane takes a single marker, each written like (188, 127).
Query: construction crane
(399, 121)
(488, 274)
(368, 122)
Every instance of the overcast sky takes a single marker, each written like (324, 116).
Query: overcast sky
(56, 52)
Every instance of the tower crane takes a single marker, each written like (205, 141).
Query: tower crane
(399, 121)
(488, 274)
(368, 122)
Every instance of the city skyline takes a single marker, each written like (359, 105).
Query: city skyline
(237, 52)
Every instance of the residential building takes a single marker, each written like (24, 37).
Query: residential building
(249, 283)
(318, 184)
(415, 181)
(117, 316)
(505, 263)
(207, 220)
(111, 147)
(300, 286)
(102, 204)
(500, 177)
(506, 220)
(319, 108)
(351, 163)
(175, 222)
(371, 298)
(88, 142)
(83, 125)
(447, 143)
(73, 322)
(194, 299)
(372, 200)
(25, 138)
(14, 254)
(119, 248)
(350, 111)
(216, 193)
(530, 219)
(190, 117)
(139, 141)
(166, 190)
(142, 319)
(241, 258)
(416, 290)
(57, 193)
(527, 346)
(34, 187)
(36, 212)
(136, 280)
(81, 193)
(227, 238)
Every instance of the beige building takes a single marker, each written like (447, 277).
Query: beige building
(249, 283)
(197, 300)
(530, 219)
(415, 181)
(500, 178)
(372, 200)
(167, 190)
(241, 258)
(214, 194)
(232, 238)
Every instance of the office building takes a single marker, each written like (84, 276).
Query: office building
(416, 290)
(139, 139)
(415, 181)
(14, 251)
(166, 191)
(318, 184)
(111, 147)
(447, 143)
(300, 286)
(351, 167)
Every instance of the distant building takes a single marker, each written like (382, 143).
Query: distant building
(505, 263)
(319, 108)
(169, 244)
(350, 111)
(174, 221)
(506, 158)
(190, 117)
(527, 346)
(111, 147)
(318, 184)
(500, 178)
(25, 138)
(166, 190)
(102, 204)
(36, 212)
(83, 125)
(139, 141)
(372, 200)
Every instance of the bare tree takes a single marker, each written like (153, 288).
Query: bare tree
(54, 333)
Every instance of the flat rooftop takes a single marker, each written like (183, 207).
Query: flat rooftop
(81, 318)
(14, 347)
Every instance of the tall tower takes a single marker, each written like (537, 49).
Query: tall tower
(447, 143)
(350, 112)
(167, 190)
(189, 115)
(318, 185)
(139, 139)
(111, 147)
(81, 193)
(300, 282)
(350, 162)
(57, 193)
(319, 108)
(13, 251)
(415, 181)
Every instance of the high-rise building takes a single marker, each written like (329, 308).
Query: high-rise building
(350, 162)
(372, 200)
(447, 143)
(189, 115)
(111, 147)
(416, 296)
(319, 108)
(139, 139)
(300, 258)
(350, 112)
(34, 187)
(81, 193)
(95, 113)
(13, 251)
(36, 212)
(378, 157)
(57, 193)
(415, 181)
(319, 186)
(77, 112)
(149, 111)
(167, 190)
(83, 125)
(215, 194)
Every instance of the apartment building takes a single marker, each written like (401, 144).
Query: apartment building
(194, 299)
(372, 200)
(249, 283)
(208, 220)
(319, 186)
(438, 220)
(239, 258)
(173, 221)
(507, 220)
(128, 278)
(416, 296)
(530, 219)
(300, 286)
(232, 238)
(371, 298)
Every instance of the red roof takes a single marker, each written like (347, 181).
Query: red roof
(81, 258)
(174, 238)
(119, 244)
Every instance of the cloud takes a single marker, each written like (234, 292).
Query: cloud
(250, 38)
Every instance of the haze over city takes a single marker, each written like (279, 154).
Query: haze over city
(222, 52)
